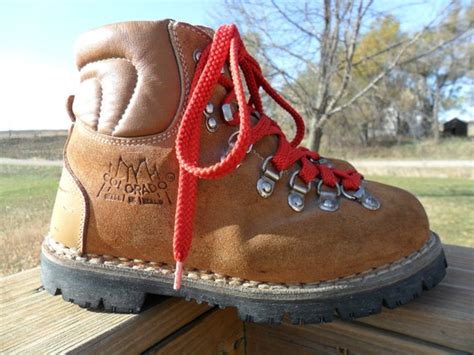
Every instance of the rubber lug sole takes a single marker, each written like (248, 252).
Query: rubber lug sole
(125, 291)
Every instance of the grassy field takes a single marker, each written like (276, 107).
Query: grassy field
(51, 146)
(449, 204)
(27, 196)
(26, 201)
(448, 148)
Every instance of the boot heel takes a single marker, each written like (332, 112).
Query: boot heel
(88, 290)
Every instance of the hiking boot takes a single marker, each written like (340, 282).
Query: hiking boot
(176, 182)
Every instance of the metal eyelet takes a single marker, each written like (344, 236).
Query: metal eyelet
(323, 161)
(209, 108)
(266, 183)
(229, 114)
(227, 111)
(233, 138)
(328, 200)
(211, 121)
(366, 199)
(371, 202)
(197, 55)
(357, 195)
(231, 143)
(211, 124)
(297, 193)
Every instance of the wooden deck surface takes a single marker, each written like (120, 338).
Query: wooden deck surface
(441, 321)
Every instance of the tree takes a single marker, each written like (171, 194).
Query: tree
(438, 74)
(311, 49)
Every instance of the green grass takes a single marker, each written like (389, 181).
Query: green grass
(22, 186)
(449, 204)
(50, 147)
(447, 148)
(27, 196)
(26, 200)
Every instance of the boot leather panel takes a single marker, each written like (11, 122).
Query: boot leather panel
(236, 232)
(69, 213)
(139, 86)
(131, 186)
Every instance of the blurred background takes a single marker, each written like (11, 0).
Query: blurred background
(387, 85)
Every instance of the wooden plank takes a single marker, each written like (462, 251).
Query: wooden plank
(216, 332)
(283, 339)
(444, 315)
(441, 320)
(35, 322)
(32, 321)
(457, 277)
(16, 284)
(459, 257)
(332, 338)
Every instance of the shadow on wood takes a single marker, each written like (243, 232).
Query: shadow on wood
(441, 321)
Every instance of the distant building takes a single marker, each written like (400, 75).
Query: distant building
(470, 129)
(457, 128)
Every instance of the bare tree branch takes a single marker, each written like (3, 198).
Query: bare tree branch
(349, 55)
(374, 81)
(323, 84)
(294, 23)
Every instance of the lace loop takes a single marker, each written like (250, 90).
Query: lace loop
(228, 46)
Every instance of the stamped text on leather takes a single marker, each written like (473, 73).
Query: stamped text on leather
(136, 183)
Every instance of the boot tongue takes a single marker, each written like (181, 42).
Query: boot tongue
(266, 146)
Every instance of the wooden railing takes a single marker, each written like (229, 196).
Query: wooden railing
(441, 321)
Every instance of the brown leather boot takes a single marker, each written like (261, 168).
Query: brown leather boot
(167, 148)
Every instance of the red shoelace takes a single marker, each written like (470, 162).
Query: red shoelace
(227, 46)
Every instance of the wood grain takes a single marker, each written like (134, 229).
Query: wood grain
(217, 332)
(460, 257)
(333, 338)
(441, 321)
(35, 322)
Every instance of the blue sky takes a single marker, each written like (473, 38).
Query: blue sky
(49, 27)
(37, 70)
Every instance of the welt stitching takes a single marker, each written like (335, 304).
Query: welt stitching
(62, 250)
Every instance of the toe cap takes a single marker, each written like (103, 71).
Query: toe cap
(330, 245)
(396, 230)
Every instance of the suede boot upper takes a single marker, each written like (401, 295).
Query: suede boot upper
(118, 192)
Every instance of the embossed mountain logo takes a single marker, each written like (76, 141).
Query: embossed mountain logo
(137, 184)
